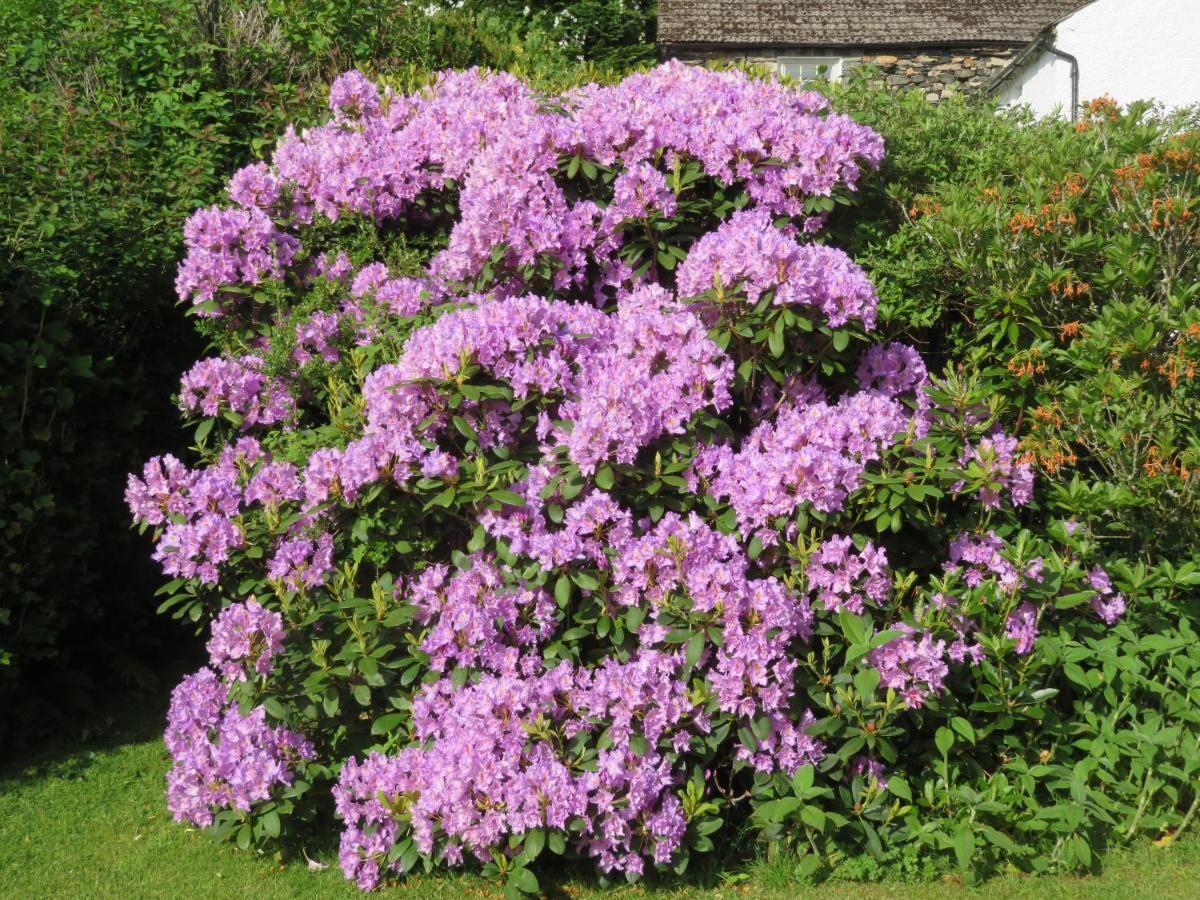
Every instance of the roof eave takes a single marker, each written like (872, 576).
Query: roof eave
(983, 43)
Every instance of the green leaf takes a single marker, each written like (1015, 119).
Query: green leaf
(775, 344)
(1068, 601)
(203, 429)
(865, 683)
(963, 727)
(562, 591)
(813, 817)
(604, 478)
(535, 840)
(841, 340)
(270, 824)
(944, 738)
(524, 880)
(508, 498)
(586, 581)
(695, 647)
(802, 781)
(388, 723)
(899, 787)
(852, 627)
(464, 428)
(964, 846)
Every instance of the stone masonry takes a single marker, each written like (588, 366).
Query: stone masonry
(936, 72)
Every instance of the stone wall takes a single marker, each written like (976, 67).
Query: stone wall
(936, 72)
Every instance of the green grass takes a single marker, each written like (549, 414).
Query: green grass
(92, 823)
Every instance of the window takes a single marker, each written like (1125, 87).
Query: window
(811, 68)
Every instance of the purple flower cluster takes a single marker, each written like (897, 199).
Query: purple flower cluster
(811, 452)
(979, 558)
(844, 578)
(1022, 627)
(658, 369)
(317, 338)
(223, 758)
(196, 513)
(748, 256)
(498, 766)
(590, 524)
(245, 634)
(229, 247)
(871, 769)
(913, 664)
(1109, 605)
(477, 621)
(995, 455)
(300, 563)
(683, 564)
(731, 124)
(216, 385)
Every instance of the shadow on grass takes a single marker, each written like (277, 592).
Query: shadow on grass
(125, 715)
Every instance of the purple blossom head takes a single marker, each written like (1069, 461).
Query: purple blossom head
(1022, 627)
(245, 635)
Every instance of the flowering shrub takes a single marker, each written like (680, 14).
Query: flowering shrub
(607, 524)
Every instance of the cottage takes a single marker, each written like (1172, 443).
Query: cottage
(939, 46)
(1125, 49)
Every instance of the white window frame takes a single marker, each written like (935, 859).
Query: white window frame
(806, 68)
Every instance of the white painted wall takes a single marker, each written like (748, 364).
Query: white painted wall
(1127, 49)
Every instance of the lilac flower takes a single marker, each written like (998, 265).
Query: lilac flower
(748, 256)
(302, 564)
(979, 558)
(354, 96)
(214, 386)
(161, 491)
(273, 484)
(1022, 627)
(476, 619)
(870, 767)
(222, 758)
(914, 667)
(996, 457)
(245, 633)
(844, 578)
(809, 453)
(1110, 605)
(231, 247)
(317, 338)
(659, 370)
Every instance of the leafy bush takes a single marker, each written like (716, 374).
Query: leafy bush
(1064, 265)
(615, 34)
(554, 493)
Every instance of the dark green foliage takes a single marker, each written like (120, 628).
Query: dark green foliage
(615, 34)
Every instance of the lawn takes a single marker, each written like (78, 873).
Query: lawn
(92, 823)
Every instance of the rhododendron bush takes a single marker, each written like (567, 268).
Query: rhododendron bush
(553, 493)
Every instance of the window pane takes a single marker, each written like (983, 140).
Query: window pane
(808, 68)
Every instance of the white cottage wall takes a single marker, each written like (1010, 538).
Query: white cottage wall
(1127, 49)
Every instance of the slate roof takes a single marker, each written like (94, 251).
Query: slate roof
(856, 23)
